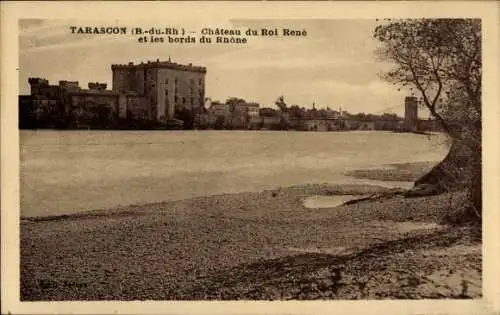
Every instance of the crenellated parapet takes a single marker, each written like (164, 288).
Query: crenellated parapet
(97, 86)
(159, 64)
(38, 81)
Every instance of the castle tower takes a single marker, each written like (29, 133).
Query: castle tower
(162, 86)
(37, 84)
(411, 113)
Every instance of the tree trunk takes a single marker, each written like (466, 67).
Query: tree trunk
(476, 189)
(447, 174)
(476, 196)
(461, 169)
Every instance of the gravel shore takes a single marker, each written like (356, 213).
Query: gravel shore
(264, 245)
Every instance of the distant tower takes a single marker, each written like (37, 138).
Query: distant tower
(411, 113)
(37, 84)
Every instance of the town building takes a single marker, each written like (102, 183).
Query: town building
(245, 115)
(161, 88)
(218, 109)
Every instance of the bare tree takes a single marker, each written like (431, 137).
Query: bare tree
(441, 60)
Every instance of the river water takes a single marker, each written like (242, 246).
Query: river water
(70, 171)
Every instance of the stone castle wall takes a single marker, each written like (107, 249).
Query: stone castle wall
(165, 85)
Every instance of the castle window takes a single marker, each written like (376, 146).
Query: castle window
(166, 81)
(176, 99)
(191, 81)
(183, 100)
(199, 81)
(176, 81)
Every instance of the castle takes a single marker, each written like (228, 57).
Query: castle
(150, 91)
(159, 88)
(163, 93)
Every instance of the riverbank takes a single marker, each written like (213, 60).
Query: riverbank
(262, 245)
(395, 172)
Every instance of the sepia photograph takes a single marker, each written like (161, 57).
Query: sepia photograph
(257, 159)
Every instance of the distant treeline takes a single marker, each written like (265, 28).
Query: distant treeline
(54, 116)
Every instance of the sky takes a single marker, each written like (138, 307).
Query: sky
(334, 65)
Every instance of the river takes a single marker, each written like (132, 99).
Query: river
(70, 171)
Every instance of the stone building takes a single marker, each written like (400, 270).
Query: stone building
(92, 106)
(411, 114)
(247, 109)
(45, 101)
(152, 93)
(161, 87)
(66, 104)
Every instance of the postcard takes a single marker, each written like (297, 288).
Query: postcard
(249, 157)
